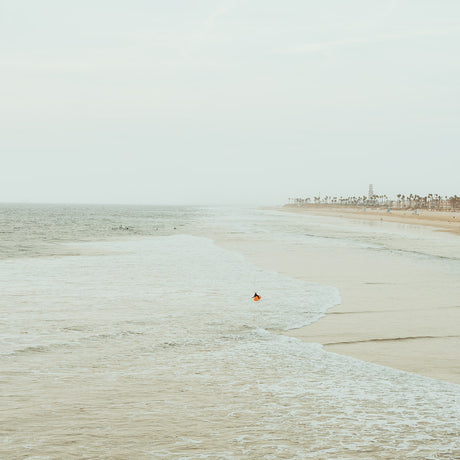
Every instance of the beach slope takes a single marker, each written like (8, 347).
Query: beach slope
(397, 310)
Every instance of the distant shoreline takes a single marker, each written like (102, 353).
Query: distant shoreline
(443, 220)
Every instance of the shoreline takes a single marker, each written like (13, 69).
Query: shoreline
(442, 220)
(396, 311)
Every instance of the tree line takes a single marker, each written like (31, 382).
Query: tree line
(432, 201)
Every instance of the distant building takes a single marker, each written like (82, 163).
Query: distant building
(370, 193)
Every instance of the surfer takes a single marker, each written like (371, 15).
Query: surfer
(256, 297)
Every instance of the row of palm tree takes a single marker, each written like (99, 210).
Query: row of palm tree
(432, 201)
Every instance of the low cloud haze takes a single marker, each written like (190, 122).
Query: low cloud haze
(229, 102)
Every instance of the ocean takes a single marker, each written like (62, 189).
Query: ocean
(127, 332)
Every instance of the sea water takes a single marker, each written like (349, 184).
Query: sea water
(126, 333)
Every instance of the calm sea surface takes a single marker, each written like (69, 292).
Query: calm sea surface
(126, 333)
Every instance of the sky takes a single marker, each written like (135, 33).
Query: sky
(227, 101)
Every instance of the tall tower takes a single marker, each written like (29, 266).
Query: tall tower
(370, 193)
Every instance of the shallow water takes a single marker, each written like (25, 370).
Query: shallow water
(147, 345)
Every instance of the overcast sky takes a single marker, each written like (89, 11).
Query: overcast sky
(227, 101)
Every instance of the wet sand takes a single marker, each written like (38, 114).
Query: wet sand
(396, 311)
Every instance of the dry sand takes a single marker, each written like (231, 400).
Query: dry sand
(396, 311)
(443, 220)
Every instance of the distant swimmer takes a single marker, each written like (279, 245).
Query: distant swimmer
(256, 297)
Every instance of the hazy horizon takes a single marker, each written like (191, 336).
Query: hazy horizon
(227, 102)
(288, 200)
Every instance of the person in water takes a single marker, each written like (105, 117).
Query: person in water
(256, 296)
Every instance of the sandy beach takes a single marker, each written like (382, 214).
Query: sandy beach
(396, 311)
(442, 220)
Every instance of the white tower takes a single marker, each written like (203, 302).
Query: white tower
(370, 194)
